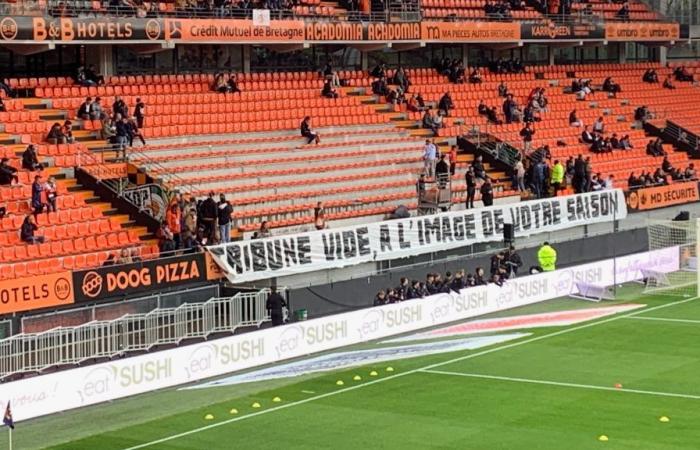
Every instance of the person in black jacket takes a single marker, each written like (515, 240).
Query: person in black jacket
(28, 229)
(471, 187)
(224, 215)
(275, 304)
(119, 107)
(487, 192)
(328, 91)
(140, 112)
(380, 298)
(8, 174)
(30, 159)
(208, 213)
(307, 132)
(446, 104)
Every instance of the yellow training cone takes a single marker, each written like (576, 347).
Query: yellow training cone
(603, 438)
(233, 411)
(339, 382)
(373, 373)
(664, 419)
(276, 399)
(209, 417)
(357, 378)
(256, 405)
(389, 369)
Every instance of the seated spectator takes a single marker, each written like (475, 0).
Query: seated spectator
(92, 75)
(476, 77)
(81, 78)
(124, 257)
(624, 12)
(492, 116)
(611, 87)
(401, 79)
(574, 121)
(682, 74)
(395, 96)
(96, 112)
(598, 145)
(30, 159)
(330, 74)
(263, 232)
(320, 217)
(109, 130)
(530, 115)
(429, 122)
(413, 104)
(599, 126)
(307, 132)
(576, 85)
(220, 84)
(446, 104)
(5, 87)
(380, 87)
(633, 182)
(614, 142)
(659, 177)
(502, 89)
(232, 85)
(379, 71)
(641, 114)
(85, 109)
(328, 91)
(55, 135)
(626, 143)
(668, 83)
(68, 132)
(666, 165)
(166, 239)
(51, 190)
(28, 230)
(650, 76)
(689, 173)
(457, 72)
(38, 204)
(8, 174)
(482, 109)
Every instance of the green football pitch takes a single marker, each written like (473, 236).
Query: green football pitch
(558, 388)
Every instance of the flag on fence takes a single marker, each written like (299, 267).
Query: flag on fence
(7, 418)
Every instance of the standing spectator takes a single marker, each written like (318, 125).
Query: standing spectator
(208, 215)
(557, 177)
(429, 158)
(487, 192)
(30, 159)
(140, 113)
(307, 132)
(8, 174)
(446, 104)
(519, 175)
(453, 160)
(275, 306)
(320, 216)
(225, 211)
(133, 130)
(174, 220)
(51, 190)
(527, 134)
(471, 187)
(38, 195)
(28, 230)
(513, 262)
(120, 108)
(478, 166)
(122, 130)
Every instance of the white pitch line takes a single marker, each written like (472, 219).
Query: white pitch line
(664, 319)
(562, 384)
(402, 374)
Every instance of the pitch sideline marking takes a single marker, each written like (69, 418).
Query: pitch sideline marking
(664, 319)
(562, 384)
(402, 374)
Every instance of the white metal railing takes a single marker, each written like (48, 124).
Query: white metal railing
(35, 352)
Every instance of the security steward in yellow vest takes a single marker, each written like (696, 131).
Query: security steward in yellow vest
(547, 257)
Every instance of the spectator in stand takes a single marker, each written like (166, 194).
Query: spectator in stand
(442, 171)
(503, 89)
(320, 216)
(453, 160)
(92, 75)
(208, 213)
(2, 105)
(379, 71)
(380, 298)
(263, 232)
(492, 116)
(38, 194)
(429, 158)
(650, 76)
(330, 74)
(682, 74)
(599, 126)
(5, 87)
(654, 148)
(166, 239)
(122, 131)
(133, 132)
(446, 104)
(626, 143)
(487, 192)
(624, 12)
(67, 131)
(476, 76)
(401, 79)
(633, 182)
(478, 166)
(457, 73)
(140, 115)
(519, 173)
(668, 83)
(641, 114)
(85, 109)
(659, 177)
(471, 187)
(8, 174)
(511, 111)
(420, 185)
(28, 230)
(574, 121)
(482, 109)
(109, 130)
(540, 175)
(527, 133)
(428, 122)
(224, 212)
(51, 190)
(307, 132)
(96, 111)
(173, 217)
(55, 135)
(666, 165)
(81, 78)
(579, 179)
(689, 173)
(232, 84)
(611, 87)
(614, 142)
(119, 107)
(479, 277)
(557, 178)
(380, 87)
(415, 105)
(219, 85)
(30, 159)
(328, 90)
(530, 114)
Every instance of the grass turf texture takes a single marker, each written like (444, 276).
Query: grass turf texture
(413, 408)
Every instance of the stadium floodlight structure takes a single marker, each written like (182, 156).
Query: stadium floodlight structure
(681, 235)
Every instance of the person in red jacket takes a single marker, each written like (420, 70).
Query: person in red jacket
(174, 220)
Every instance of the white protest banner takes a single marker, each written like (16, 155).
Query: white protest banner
(258, 259)
(47, 394)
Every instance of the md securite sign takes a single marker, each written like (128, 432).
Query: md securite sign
(153, 275)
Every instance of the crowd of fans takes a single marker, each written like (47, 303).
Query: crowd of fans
(662, 175)
(503, 265)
